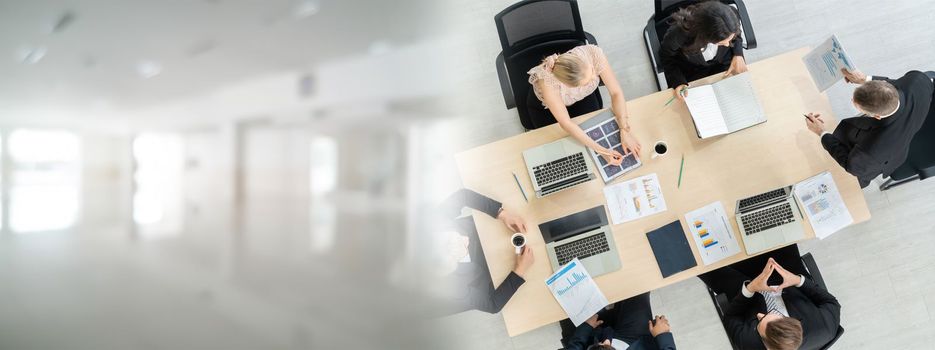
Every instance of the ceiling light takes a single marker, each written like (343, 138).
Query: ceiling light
(305, 9)
(148, 69)
(31, 55)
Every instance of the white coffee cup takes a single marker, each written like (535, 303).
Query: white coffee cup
(660, 149)
(518, 240)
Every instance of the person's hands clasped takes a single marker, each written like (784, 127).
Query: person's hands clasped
(612, 157)
(854, 77)
(789, 279)
(630, 143)
(660, 326)
(737, 65)
(524, 260)
(758, 284)
(512, 221)
(814, 123)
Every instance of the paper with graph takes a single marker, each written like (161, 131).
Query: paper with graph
(725, 106)
(823, 204)
(576, 292)
(824, 63)
(634, 199)
(712, 233)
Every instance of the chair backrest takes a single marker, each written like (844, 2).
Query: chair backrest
(921, 159)
(533, 21)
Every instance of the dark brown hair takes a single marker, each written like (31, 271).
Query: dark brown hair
(708, 22)
(783, 334)
(877, 97)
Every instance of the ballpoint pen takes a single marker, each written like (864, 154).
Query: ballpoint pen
(521, 190)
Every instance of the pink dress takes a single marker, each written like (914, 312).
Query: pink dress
(570, 94)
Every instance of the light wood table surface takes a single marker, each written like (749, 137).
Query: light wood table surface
(777, 153)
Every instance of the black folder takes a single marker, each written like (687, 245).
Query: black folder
(673, 254)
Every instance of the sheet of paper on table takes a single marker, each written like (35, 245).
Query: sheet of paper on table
(823, 204)
(575, 290)
(712, 233)
(634, 199)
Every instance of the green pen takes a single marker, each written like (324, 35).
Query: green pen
(672, 98)
(681, 167)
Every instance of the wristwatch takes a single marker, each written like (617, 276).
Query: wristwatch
(499, 211)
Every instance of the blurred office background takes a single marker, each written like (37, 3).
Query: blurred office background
(220, 174)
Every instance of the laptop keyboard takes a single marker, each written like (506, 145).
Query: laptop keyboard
(560, 169)
(581, 248)
(767, 218)
(763, 197)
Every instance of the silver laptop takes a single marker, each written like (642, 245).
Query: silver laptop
(769, 220)
(557, 166)
(584, 235)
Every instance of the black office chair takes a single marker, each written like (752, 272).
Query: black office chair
(530, 31)
(920, 164)
(658, 24)
(721, 303)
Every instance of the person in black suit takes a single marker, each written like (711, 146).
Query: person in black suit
(787, 311)
(469, 275)
(878, 142)
(702, 40)
(630, 321)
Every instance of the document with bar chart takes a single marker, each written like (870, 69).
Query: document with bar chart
(824, 63)
(712, 233)
(634, 199)
(576, 292)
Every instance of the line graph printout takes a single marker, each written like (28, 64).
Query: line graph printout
(575, 290)
(823, 204)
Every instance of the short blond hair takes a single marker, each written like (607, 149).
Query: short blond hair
(569, 69)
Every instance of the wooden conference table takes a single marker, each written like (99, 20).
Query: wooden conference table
(777, 153)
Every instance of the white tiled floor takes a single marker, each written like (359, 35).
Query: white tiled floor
(882, 271)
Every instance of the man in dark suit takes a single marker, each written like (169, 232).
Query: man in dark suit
(878, 142)
(630, 326)
(789, 311)
(468, 275)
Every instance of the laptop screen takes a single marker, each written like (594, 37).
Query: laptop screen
(573, 224)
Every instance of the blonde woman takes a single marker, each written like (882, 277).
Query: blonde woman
(566, 86)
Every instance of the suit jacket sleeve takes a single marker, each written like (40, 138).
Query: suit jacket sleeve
(452, 206)
(670, 56)
(737, 45)
(853, 159)
(491, 299)
(582, 337)
(827, 304)
(740, 329)
(665, 341)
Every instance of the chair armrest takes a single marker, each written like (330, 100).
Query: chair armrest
(651, 37)
(590, 38)
(809, 261)
(505, 86)
(748, 33)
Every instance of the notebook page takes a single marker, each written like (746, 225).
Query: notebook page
(703, 105)
(738, 102)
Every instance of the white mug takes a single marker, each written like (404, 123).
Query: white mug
(660, 149)
(518, 240)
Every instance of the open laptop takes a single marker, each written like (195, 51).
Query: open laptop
(604, 130)
(769, 220)
(584, 235)
(557, 166)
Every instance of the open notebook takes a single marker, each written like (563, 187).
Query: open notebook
(725, 106)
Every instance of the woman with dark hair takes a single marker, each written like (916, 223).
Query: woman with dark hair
(703, 39)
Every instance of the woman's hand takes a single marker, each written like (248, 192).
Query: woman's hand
(630, 143)
(681, 92)
(737, 66)
(612, 157)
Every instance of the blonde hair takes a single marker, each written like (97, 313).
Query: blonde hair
(567, 68)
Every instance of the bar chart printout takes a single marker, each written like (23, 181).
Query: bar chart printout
(575, 290)
(712, 233)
